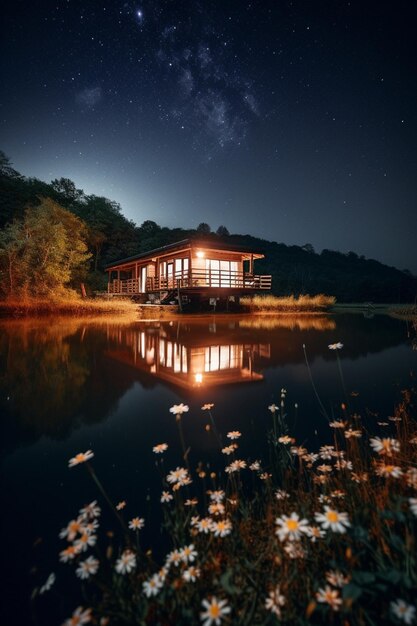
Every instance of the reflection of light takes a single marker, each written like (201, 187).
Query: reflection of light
(198, 378)
(200, 254)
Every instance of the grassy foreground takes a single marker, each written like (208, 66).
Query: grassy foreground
(287, 304)
(323, 536)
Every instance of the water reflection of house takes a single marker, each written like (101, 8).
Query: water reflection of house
(190, 364)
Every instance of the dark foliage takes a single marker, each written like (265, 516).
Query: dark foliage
(294, 269)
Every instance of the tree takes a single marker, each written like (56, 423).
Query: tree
(222, 231)
(203, 228)
(12, 267)
(6, 168)
(44, 253)
(67, 190)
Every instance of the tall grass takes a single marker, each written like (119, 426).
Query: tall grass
(65, 305)
(302, 303)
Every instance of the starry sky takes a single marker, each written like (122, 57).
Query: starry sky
(294, 121)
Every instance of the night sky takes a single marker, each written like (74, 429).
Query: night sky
(292, 121)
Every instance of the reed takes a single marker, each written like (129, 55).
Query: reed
(302, 303)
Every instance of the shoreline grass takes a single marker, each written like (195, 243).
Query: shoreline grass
(302, 303)
(72, 306)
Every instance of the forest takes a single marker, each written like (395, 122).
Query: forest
(54, 236)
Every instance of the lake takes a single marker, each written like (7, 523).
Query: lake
(72, 385)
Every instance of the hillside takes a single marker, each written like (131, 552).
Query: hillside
(109, 236)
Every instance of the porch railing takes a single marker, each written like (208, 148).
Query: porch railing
(194, 279)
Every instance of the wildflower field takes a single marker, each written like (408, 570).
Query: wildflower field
(304, 536)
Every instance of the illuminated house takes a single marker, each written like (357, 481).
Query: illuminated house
(187, 362)
(192, 269)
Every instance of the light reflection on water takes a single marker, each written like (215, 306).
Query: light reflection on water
(72, 385)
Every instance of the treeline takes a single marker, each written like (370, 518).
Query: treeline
(54, 236)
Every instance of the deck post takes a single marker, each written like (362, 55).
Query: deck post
(179, 296)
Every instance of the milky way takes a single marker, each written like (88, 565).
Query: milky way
(291, 120)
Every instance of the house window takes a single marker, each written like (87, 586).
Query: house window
(222, 273)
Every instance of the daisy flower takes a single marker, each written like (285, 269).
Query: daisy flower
(255, 466)
(326, 452)
(290, 527)
(217, 495)
(295, 550)
(214, 612)
(337, 424)
(90, 511)
(298, 450)
(353, 433)
(204, 525)
(221, 528)
(387, 471)
(386, 445)
(275, 601)
(315, 532)
(273, 408)
(403, 611)
(335, 346)
(179, 475)
(191, 574)
(329, 596)
(121, 505)
(137, 523)
(81, 457)
(191, 502)
(80, 616)
(74, 528)
(216, 508)
(324, 468)
(234, 434)
(229, 449)
(336, 578)
(87, 568)
(337, 522)
(207, 407)
(174, 558)
(235, 466)
(188, 553)
(411, 477)
(87, 540)
(179, 409)
(281, 494)
(311, 457)
(126, 563)
(69, 554)
(285, 439)
(152, 586)
(160, 448)
(166, 496)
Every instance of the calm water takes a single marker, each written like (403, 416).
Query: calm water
(69, 386)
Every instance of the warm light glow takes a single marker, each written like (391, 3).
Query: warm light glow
(198, 378)
(200, 254)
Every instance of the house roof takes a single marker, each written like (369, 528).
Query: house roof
(185, 244)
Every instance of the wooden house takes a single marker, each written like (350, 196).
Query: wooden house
(191, 270)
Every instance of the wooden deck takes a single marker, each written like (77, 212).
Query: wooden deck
(196, 281)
